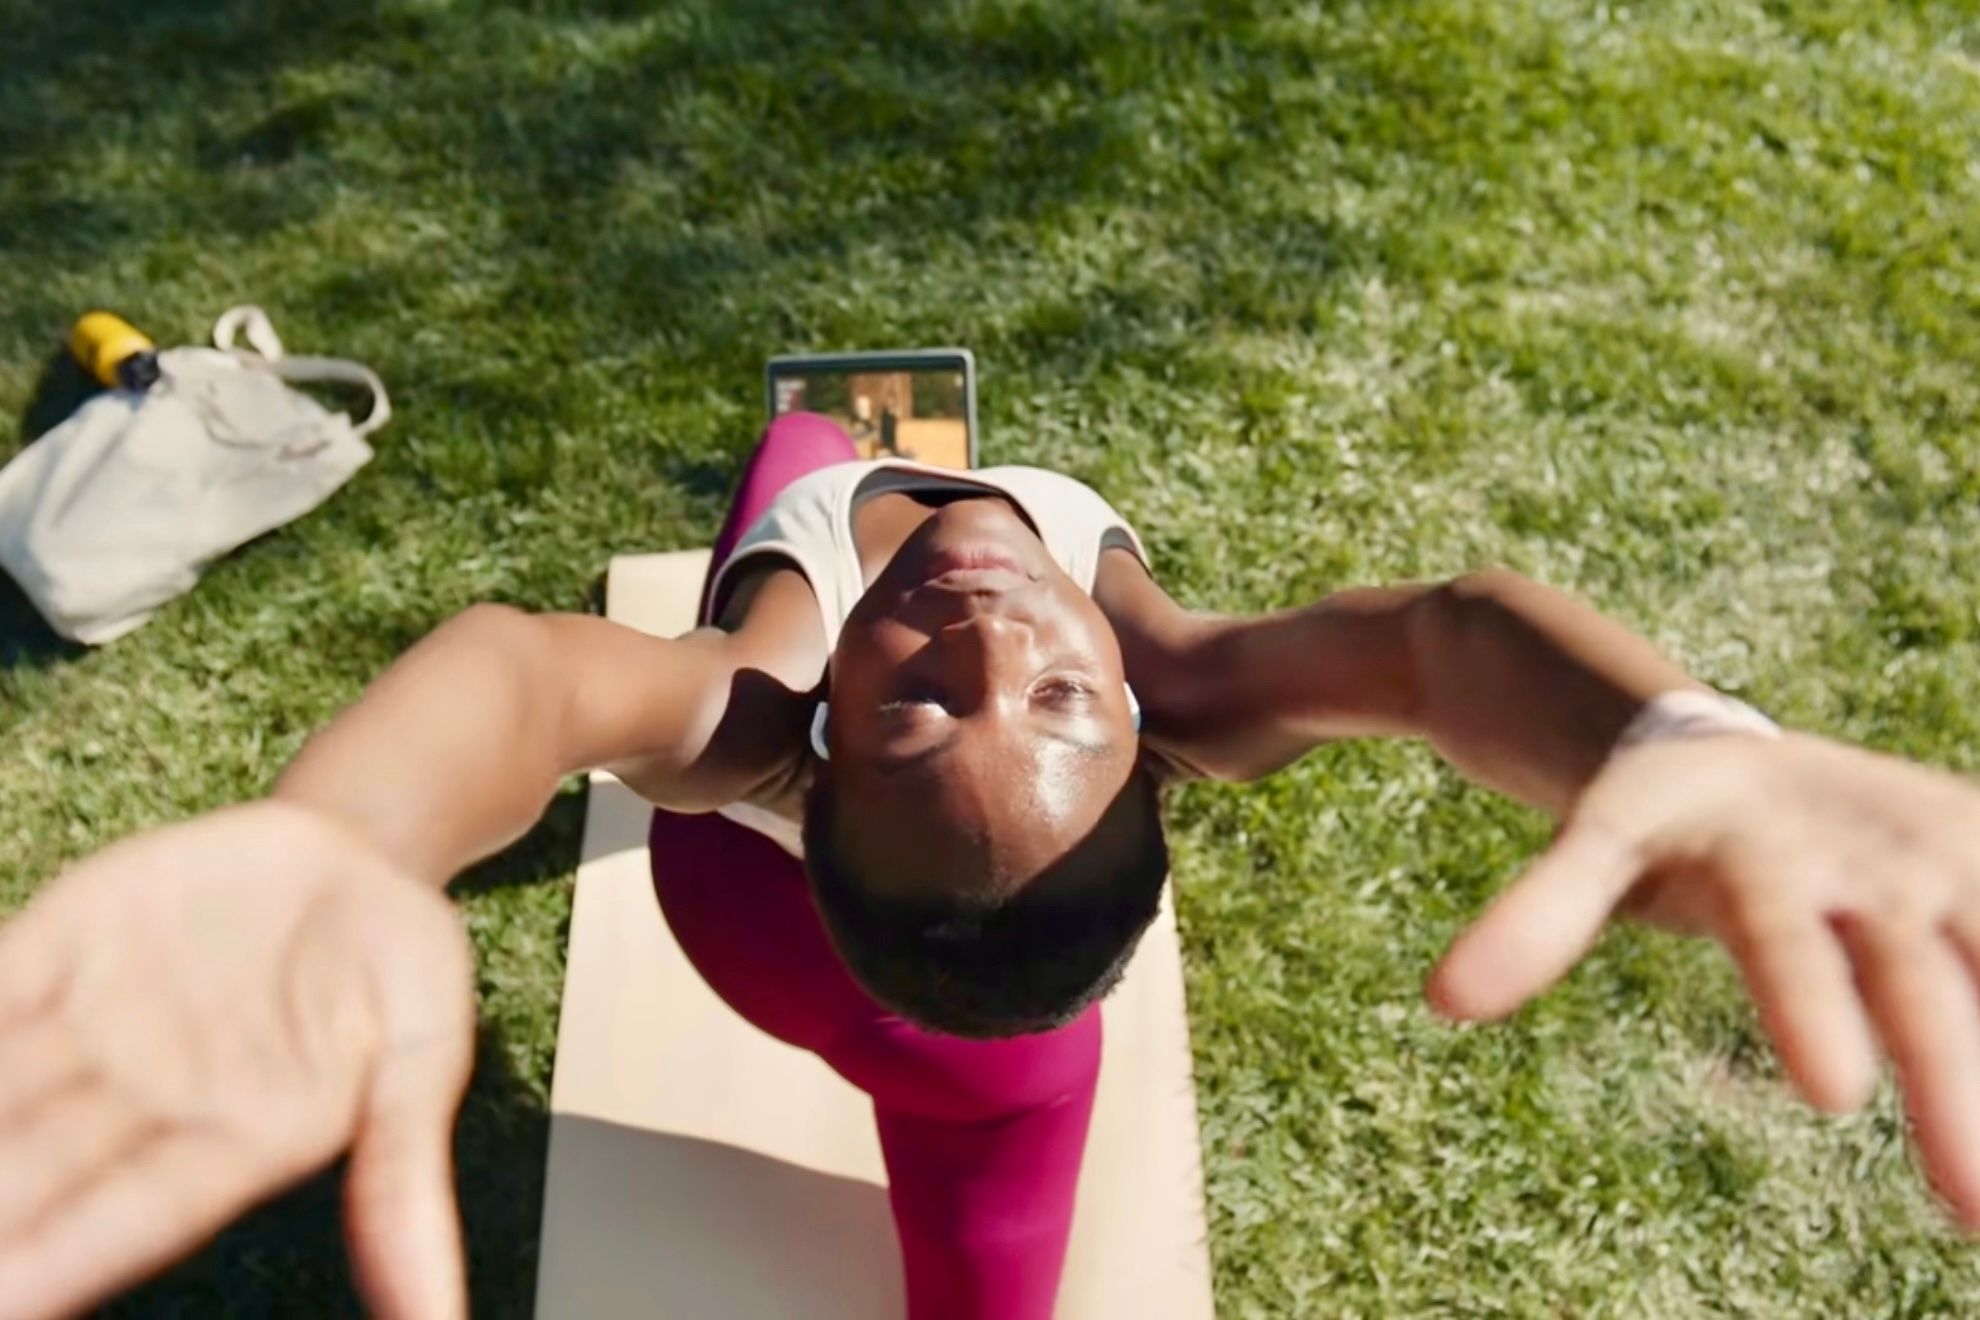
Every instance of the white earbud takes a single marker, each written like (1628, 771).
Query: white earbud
(1134, 708)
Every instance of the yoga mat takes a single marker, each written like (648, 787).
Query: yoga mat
(701, 1170)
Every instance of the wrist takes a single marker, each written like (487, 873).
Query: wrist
(1693, 713)
(336, 839)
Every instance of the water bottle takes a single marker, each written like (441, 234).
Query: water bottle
(114, 351)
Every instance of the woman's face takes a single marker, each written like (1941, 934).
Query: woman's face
(977, 704)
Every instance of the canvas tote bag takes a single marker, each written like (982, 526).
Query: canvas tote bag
(118, 509)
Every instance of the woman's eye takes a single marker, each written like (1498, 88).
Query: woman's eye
(1063, 694)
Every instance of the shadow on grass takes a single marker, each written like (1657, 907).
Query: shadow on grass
(26, 640)
(547, 852)
(656, 191)
(705, 478)
(62, 387)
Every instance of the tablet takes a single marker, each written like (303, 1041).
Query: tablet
(917, 404)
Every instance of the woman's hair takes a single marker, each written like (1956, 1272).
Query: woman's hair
(1028, 958)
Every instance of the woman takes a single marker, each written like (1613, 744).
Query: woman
(956, 697)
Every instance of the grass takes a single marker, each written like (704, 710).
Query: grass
(1676, 305)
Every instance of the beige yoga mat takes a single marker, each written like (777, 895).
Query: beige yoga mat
(701, 1170)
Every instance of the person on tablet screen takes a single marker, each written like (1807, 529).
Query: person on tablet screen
(907, 780)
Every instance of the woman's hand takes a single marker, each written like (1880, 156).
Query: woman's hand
(201, 1016)
(1846, 885)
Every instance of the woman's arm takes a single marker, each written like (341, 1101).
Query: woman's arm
(1845, 885)
(457, 748)
(1518, 685)
(205, 1013)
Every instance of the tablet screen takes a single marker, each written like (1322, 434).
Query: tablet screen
(920, 414)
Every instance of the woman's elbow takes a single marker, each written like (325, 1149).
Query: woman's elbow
(1493, 587)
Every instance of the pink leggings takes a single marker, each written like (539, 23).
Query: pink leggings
(982, 1139)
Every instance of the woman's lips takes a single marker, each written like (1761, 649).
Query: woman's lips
(974, 568)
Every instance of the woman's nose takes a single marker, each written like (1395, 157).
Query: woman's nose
(992, 650)
(989, 630)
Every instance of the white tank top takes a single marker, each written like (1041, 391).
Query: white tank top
(810, 525)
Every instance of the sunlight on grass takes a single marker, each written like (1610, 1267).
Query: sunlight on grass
(1675, 305)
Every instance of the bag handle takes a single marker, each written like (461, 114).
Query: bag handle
(254, 322)
(251, 321)
(301, 370)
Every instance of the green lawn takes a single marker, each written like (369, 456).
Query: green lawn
(1674, 304)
